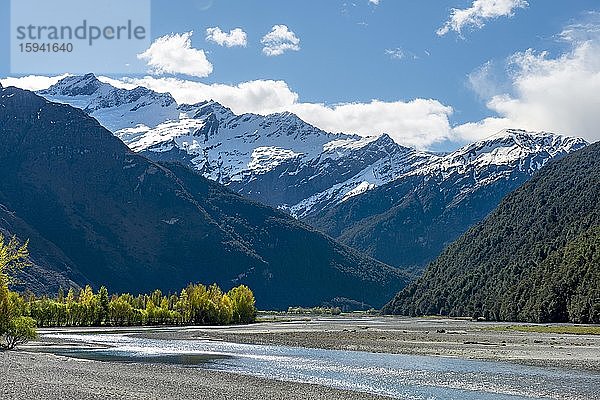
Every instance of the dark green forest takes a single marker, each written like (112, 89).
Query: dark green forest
(536, 258)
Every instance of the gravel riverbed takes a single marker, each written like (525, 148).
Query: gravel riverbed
(30, 374)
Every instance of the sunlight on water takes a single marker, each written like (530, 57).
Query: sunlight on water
(398, 376)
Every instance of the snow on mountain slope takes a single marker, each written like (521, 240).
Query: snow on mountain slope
(382, 171)
(510, 147)
(227, 147)
(408, 221)
(497, 157)
(471, 167)
(278, 159)
(112, 107)
(285, 162)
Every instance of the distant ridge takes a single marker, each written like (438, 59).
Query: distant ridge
(397, 204)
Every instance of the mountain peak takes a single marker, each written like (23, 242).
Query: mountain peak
(21, 98)
(289, 118)
(108, 103)
(75, 85)
(386, 140)
(44, 125)
(523, 137)
(211, 107)
(89, 76)
(516, 135)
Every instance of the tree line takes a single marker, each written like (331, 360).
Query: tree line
(196, 304)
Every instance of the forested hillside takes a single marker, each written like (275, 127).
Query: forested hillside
(535, 258)
(409, 221)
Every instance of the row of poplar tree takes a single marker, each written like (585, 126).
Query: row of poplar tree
(195, 305)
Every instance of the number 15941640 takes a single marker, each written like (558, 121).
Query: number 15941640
(46, 47)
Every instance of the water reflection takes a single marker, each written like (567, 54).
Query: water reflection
(398, 376)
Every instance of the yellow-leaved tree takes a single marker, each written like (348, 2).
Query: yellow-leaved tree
(15, 329)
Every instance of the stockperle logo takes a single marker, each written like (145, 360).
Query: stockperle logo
(57, 36)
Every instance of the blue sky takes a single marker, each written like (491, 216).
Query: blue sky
(358, 51)
(343, 43)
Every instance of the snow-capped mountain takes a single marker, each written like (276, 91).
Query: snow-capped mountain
(277, 159)
(392, 161)
(498, 157)
(227, 147)
(115, 108)
(470, 167)
(98, 213)
(407, 222)
(509, 148)
(285, 162)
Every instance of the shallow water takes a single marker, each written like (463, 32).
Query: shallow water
(394, 375)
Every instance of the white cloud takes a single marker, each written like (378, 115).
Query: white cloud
(32, 82)
(395, 54)
(480, 11)
(174, 54)
(235, 37)
(258, 96)
(474, 131)
(558, 94)
(279, 40)
(400, 54)
(374, 2)
(586, 29)
(486, 80)
(540, 92)
(419, 123)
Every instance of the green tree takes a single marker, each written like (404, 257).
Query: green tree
(120, 311)
(14, 330)
(184, 308)
(61, 295)
(104, 303)
(243, 304)
(20, 330)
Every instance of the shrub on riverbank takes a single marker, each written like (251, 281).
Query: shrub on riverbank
(314, 310)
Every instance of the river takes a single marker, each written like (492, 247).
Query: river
(394, 375)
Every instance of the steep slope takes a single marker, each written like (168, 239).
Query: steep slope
(397, 204)
(408, 222)
(134, 224)
(535, 258)
(49, 267)
(115, 108)
(277, 159)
